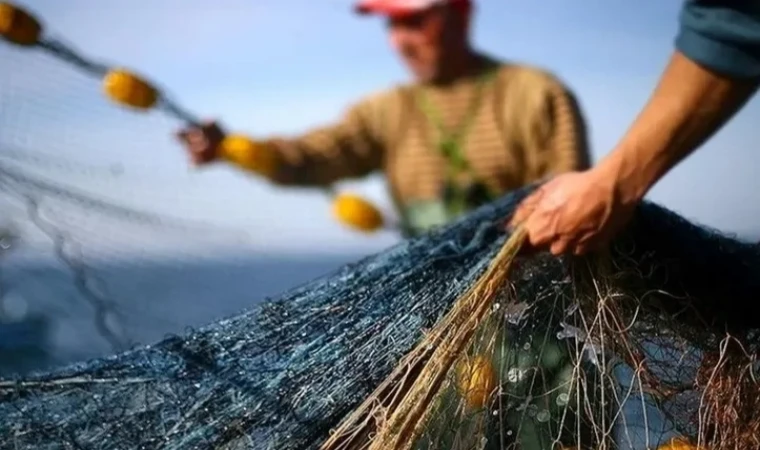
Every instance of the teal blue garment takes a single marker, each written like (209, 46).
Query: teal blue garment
(723, 36)
(421, 217)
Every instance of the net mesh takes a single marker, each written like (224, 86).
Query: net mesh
(656, 342)
(97, 265)
(448, 341)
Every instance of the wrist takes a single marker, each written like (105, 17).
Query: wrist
(627, 174)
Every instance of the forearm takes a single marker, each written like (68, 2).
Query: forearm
(319, 159)
(351, 147)
(282, 161)
(713, 72)
(689, 105)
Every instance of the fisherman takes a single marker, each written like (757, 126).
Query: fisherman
(467, 129)
(712, 73)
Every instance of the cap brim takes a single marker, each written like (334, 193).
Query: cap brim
(383, 8)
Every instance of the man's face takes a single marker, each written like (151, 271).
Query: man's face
(421, 39)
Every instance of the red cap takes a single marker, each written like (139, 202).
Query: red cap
(400, 7)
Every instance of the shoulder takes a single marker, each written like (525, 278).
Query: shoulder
(382, 98)
(530, 90)
(378, 111)
(378, 104)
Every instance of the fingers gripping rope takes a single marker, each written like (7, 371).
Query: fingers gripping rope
(126, 88)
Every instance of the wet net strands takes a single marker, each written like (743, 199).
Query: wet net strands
(657, 341)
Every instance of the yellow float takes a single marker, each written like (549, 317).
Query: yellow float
(126, 88)
(246, 153)
(476, 381)
(18, 26)
(679, 443)
(357, 213)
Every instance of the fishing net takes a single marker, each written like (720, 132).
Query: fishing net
(447, 341)
(113, 236)
(76, 264)
(89, 170)
(426, 346)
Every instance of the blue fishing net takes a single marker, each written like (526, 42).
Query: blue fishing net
(660, 342)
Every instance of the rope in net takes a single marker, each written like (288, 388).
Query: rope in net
(448, 341)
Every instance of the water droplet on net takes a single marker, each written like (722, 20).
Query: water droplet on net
(524, 405)
(571, 332)
(515, 375)
(591, 354)
(516, 312)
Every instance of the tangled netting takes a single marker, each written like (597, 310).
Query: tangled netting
(110, 233)
(71, 223)
(656, 341)
(57, 263)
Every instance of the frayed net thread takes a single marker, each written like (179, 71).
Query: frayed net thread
(616, 363)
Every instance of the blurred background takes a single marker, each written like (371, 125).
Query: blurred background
(108, 239)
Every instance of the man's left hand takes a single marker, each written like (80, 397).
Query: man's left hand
(575, 212)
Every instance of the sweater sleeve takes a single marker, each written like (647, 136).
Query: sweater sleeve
(567, 148)
(545, 121)
(723, 36)
(352, 147)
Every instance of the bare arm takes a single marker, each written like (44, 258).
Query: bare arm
(689, 105)
(711, 75)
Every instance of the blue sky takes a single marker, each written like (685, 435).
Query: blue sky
(268, 67)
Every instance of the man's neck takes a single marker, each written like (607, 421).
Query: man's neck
(463, 64)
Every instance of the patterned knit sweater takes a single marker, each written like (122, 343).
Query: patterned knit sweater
(528, 127)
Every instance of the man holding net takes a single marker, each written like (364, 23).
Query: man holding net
(713, 72)
(467, 130)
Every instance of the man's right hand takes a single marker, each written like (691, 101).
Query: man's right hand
(202, 142)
